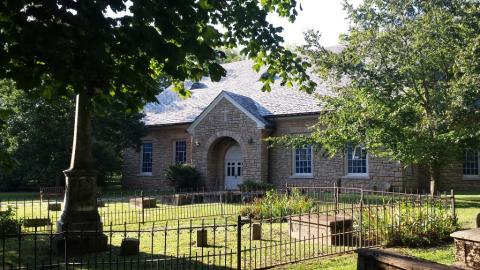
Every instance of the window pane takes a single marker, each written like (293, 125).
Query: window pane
(180, 152)
(471, 163)
(239, 169)
(303, 160)
(356, 160)
(147, 157)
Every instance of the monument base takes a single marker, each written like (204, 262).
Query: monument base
(76, 243)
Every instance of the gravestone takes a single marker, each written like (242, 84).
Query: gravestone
(202, 240)
(36, 222)
(334, 229)
(256, 231)
(130, 247)
(145, 202)
(54, 206)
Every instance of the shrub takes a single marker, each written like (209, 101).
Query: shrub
(279, 205)
(183, 176)
(251, 185)
(409, 225)
(8, 223)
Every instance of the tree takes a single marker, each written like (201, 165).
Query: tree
(405, 83)
(231, 55)
(57, 48)
(39, 134)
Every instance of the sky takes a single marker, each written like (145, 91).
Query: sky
(327, 16)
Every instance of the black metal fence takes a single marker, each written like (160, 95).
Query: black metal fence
(342, 220)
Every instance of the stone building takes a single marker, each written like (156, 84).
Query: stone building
(221, 129)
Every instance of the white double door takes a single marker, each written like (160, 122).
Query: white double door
(233, 167)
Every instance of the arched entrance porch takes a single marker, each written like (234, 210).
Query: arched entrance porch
(226, 163)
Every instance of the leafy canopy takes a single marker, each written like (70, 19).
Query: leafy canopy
(406, 84)
(38, 137)
(58, 47)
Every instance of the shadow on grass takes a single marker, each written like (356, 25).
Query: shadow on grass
(30, 251)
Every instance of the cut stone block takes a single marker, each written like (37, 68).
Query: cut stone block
(334, 229)
(232, 197)
(182, 199)
(130, 247)
(467, 248)
(79, 243)
(256, 231)
(36, 222)
(54, 207)
(202, 240)
(147, 202)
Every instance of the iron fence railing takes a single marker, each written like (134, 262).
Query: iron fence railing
(342, 221)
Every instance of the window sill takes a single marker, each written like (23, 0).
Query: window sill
(471, 177)
(144, 174)
(356, 177)
(300, 176)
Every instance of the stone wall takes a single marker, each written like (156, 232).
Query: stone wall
(214, 128)
(207, 146)
(383, 173)
(452, 178)
(467, 248)
(163, 155)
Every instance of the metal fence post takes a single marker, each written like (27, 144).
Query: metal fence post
(361, 217)
(239, 242)
(452, 202)
(141, 204)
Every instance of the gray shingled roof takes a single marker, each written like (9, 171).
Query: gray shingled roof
(242, 84)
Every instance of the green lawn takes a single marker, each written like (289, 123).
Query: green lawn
(468, 206)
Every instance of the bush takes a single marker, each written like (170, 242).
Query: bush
(8, 223)
(279, 205)
(250, 185)
(183, 176)
(410, 225)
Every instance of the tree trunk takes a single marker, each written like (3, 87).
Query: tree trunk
(434, 171)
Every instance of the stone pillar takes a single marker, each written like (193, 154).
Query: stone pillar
(256, 232)
(80, 218)
(202, 240)
(467, 248)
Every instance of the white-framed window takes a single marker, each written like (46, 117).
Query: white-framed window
(303, 161)
(180, 152)
(471, 164)
(357, 161)
(146, 158)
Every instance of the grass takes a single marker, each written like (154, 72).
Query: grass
(468, 206)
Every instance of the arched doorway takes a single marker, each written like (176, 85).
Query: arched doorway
(233, 167)
(223, 158)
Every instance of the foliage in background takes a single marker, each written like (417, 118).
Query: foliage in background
(408, 224)
(183, 177)
(231, 55)
(405, 84)
(277, 205)
(250, 185)
(38, 137)
(111, 53)
(8, 222)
